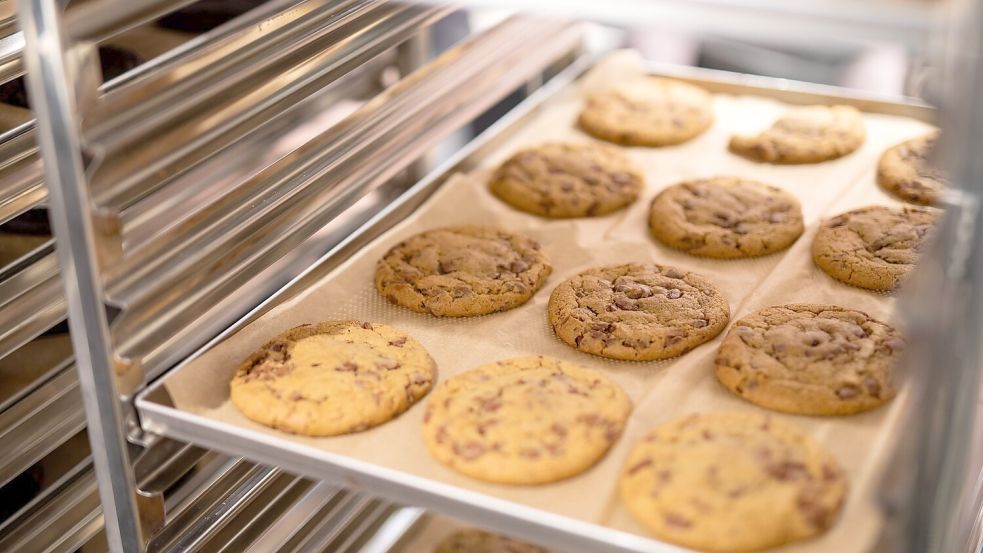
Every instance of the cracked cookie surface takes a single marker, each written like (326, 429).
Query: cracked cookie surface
(873, 247)
(528, 420)
(568, 180)
(479, 541)
(810, 359)
(726, 218)
(904, 171)
(637, 311)
(332, 378)
(648, 112)
(462, 271)
(732, 482)
(805, 135)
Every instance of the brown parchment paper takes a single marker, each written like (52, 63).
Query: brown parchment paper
(661, 391)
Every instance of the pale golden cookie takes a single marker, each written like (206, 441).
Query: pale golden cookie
(805, 135)
(332, 378)
(479, 541)
(726, 218)
(904, 171)
(732, 482)
(637, 311)
(528, 420)
(873, 247)
(568, 180)
(648, 111)
(811, 360)
(462, 271)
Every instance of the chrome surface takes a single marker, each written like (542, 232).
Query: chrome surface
(31, 302)
(39, 423)
(56, 132)
(21, 177)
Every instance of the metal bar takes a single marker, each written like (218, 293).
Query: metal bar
(31, 303)
(295, 523)
(263, 515)
(64, 521)
(39, 423)
(215, 508)
(99, 19)
(69, 211)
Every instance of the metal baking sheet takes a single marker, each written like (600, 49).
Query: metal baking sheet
(583, 513)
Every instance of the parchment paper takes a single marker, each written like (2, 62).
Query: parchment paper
(661, 391)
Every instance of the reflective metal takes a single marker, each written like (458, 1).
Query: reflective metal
(69, 209)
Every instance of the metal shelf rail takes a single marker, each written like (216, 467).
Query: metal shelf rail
(150, 279)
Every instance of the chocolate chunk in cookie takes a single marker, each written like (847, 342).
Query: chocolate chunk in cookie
(805, 135)
(732, 482)
(637, 312)
(873, 247)
(648, 112)
(529, 420)
(905, 172)
(726, 218)
(462, 271)
(568, 180)
(811, 360)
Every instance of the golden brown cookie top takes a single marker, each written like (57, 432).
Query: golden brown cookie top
(332, 378)
(528, 420)
(904, 171)
(726, 217)
(810, 359)
(873, 247)
(568, 180)
(805, 135)
(649, 111)
(462, 271)
(732, 482)
(637, 311)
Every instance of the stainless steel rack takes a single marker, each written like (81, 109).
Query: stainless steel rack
(186, 192)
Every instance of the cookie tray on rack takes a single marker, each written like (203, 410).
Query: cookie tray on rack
(582, 513)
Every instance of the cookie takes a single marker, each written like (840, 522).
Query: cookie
(462, 271)
(637, 312)
(805, 135)
(479, 541)
(872, 247)
(528, 420)
(726, 218)
(810, 360)
(732, 482)
(332, 378)
(904, 171)
(648, 112)
(568, 180)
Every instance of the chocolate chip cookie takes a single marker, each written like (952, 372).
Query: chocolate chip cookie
(332, 378)
(904, 171)
(873, 247)
(810, 360)
(732, 482)
(479, 541)
(805, 135)
(637, 312)
(462, 271)
(568, 180)
(528, 420)
(648, 112)
(726, 218)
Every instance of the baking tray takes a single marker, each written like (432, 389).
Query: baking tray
(470, 500)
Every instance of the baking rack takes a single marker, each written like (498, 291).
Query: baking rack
(163, 248)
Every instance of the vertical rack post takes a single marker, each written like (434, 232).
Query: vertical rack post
(58, 133)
